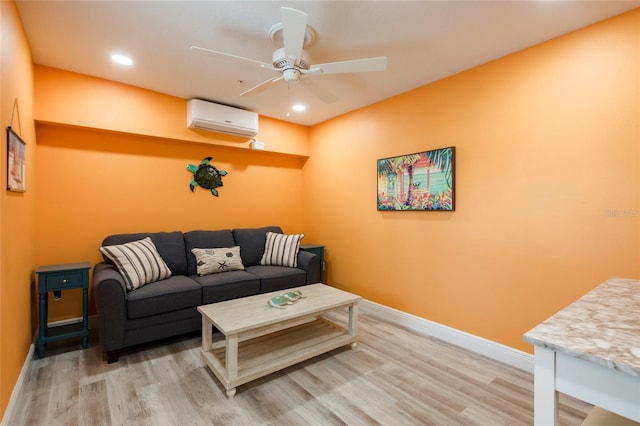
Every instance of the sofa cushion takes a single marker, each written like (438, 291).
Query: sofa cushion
(170, 245)
(138, 262)
(205, 239)
(172, 294)
(281, 250)
(275, 278)
(230, 285)
(251, 242)
(216, 260)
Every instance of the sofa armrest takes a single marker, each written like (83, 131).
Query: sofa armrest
(111, 303)
(310, 263)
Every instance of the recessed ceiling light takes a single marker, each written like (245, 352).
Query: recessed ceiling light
(121, 59)
(298, 107)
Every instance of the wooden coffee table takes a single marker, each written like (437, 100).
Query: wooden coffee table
(258, 339)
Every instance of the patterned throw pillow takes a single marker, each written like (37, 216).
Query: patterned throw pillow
(281, 250)
(219, 259)
(138, 261)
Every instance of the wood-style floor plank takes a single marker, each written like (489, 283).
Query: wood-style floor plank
(393, 377)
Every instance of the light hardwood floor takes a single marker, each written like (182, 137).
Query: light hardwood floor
(393, 377)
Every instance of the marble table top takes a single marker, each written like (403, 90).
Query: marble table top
(602, 326)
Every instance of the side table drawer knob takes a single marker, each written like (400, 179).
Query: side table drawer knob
(64, 281)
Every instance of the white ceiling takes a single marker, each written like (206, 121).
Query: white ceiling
(423, 40)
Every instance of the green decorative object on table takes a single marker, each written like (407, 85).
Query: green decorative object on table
(279, 302)
(286, 299)
(206, 175)
(294, 295)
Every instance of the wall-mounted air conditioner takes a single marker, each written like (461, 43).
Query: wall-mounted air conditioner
(214, 117)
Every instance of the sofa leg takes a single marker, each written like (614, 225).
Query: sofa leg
(112, 356)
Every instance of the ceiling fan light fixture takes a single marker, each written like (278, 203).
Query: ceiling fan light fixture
(291, 74)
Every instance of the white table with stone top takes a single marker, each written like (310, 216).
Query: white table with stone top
(258, 339)
(591, 351)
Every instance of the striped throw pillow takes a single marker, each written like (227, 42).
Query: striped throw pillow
(281, 250)
(138, 261)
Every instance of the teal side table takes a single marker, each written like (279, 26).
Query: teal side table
(318, 250)
(59, 278)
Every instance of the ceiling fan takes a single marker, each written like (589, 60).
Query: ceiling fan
(293, 63)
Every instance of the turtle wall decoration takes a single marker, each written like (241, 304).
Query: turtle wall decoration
(206, 175)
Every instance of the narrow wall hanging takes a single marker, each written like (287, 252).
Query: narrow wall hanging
(422, 181)
(206, 176)
(15, 162)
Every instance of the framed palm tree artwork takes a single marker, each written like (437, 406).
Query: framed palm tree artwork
(423, 181)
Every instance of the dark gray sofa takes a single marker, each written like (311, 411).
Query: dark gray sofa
(169, 307)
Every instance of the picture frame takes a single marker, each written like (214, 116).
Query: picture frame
(424, 181)
(16, 167)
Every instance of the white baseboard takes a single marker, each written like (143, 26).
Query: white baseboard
(17, 389)
(480, 345)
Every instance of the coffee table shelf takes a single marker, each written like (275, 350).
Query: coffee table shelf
(267, 354)
(273, 339)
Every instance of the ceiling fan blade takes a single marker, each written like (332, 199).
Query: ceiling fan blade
(294, 26)
(320, 92)
(356, 65)
(262, 86)
(230, 56)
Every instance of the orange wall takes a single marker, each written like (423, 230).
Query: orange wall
(80, 100)
(547, 186)
(94, 183)
(17, 252)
